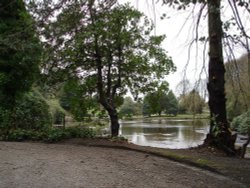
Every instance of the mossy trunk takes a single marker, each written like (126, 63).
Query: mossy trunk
(219, 134)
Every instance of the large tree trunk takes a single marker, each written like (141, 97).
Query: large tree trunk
(114, 123)
(109, 106)
(219, 134)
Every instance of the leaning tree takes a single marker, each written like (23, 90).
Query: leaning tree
(109, 48)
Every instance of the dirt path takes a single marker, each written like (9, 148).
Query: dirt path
(26, 165)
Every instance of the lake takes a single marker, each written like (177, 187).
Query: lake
(166, 133)
(162, 133)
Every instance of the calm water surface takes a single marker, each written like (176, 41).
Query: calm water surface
(163, 133)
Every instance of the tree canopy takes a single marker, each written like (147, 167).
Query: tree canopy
(130, 108)
(172, 104)
(20, 52)
(109, 50)
(76, 99)
(155, 101)
(192, 102)
(160, 100)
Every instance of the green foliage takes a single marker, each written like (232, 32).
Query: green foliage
(108, 50)
(20, 52)
(146, 110)
(191, 103)
(57, 112)
(156, 102)
(5, 119)
(48, 135)
(120, 36)
(23, 134)
(127, 108)
(237, 87)
(242, 123)
(172, 104)
(77, 99)
(55, 135)
(130, 108)
(119, 139)
(81, 132)
(31, 112)
(59, 117)
(234, 106)
(182, 4)
(160, 101)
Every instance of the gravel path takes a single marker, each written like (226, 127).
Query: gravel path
(35, 165)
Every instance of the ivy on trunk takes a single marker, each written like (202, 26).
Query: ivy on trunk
(219, 134)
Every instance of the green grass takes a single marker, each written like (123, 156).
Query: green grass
(188, 159)
(191, 116)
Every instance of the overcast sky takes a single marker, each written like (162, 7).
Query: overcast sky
(178, 26)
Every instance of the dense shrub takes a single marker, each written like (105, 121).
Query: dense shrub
(54, 135)
(5, 116)
(48, 135)
(31, 113)
(242, 124)
(22, 134)
(81, 132)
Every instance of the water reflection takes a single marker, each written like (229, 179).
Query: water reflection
(165, 133)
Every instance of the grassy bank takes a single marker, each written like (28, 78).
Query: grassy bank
(206, 158)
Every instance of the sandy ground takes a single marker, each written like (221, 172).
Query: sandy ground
(33, 165)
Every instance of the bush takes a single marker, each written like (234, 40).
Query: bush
(22, 134)
(5, 117)
(81, 132)
(19, 135)
(242, 123)
(50, 135)
(54, 135)
(31, 113)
